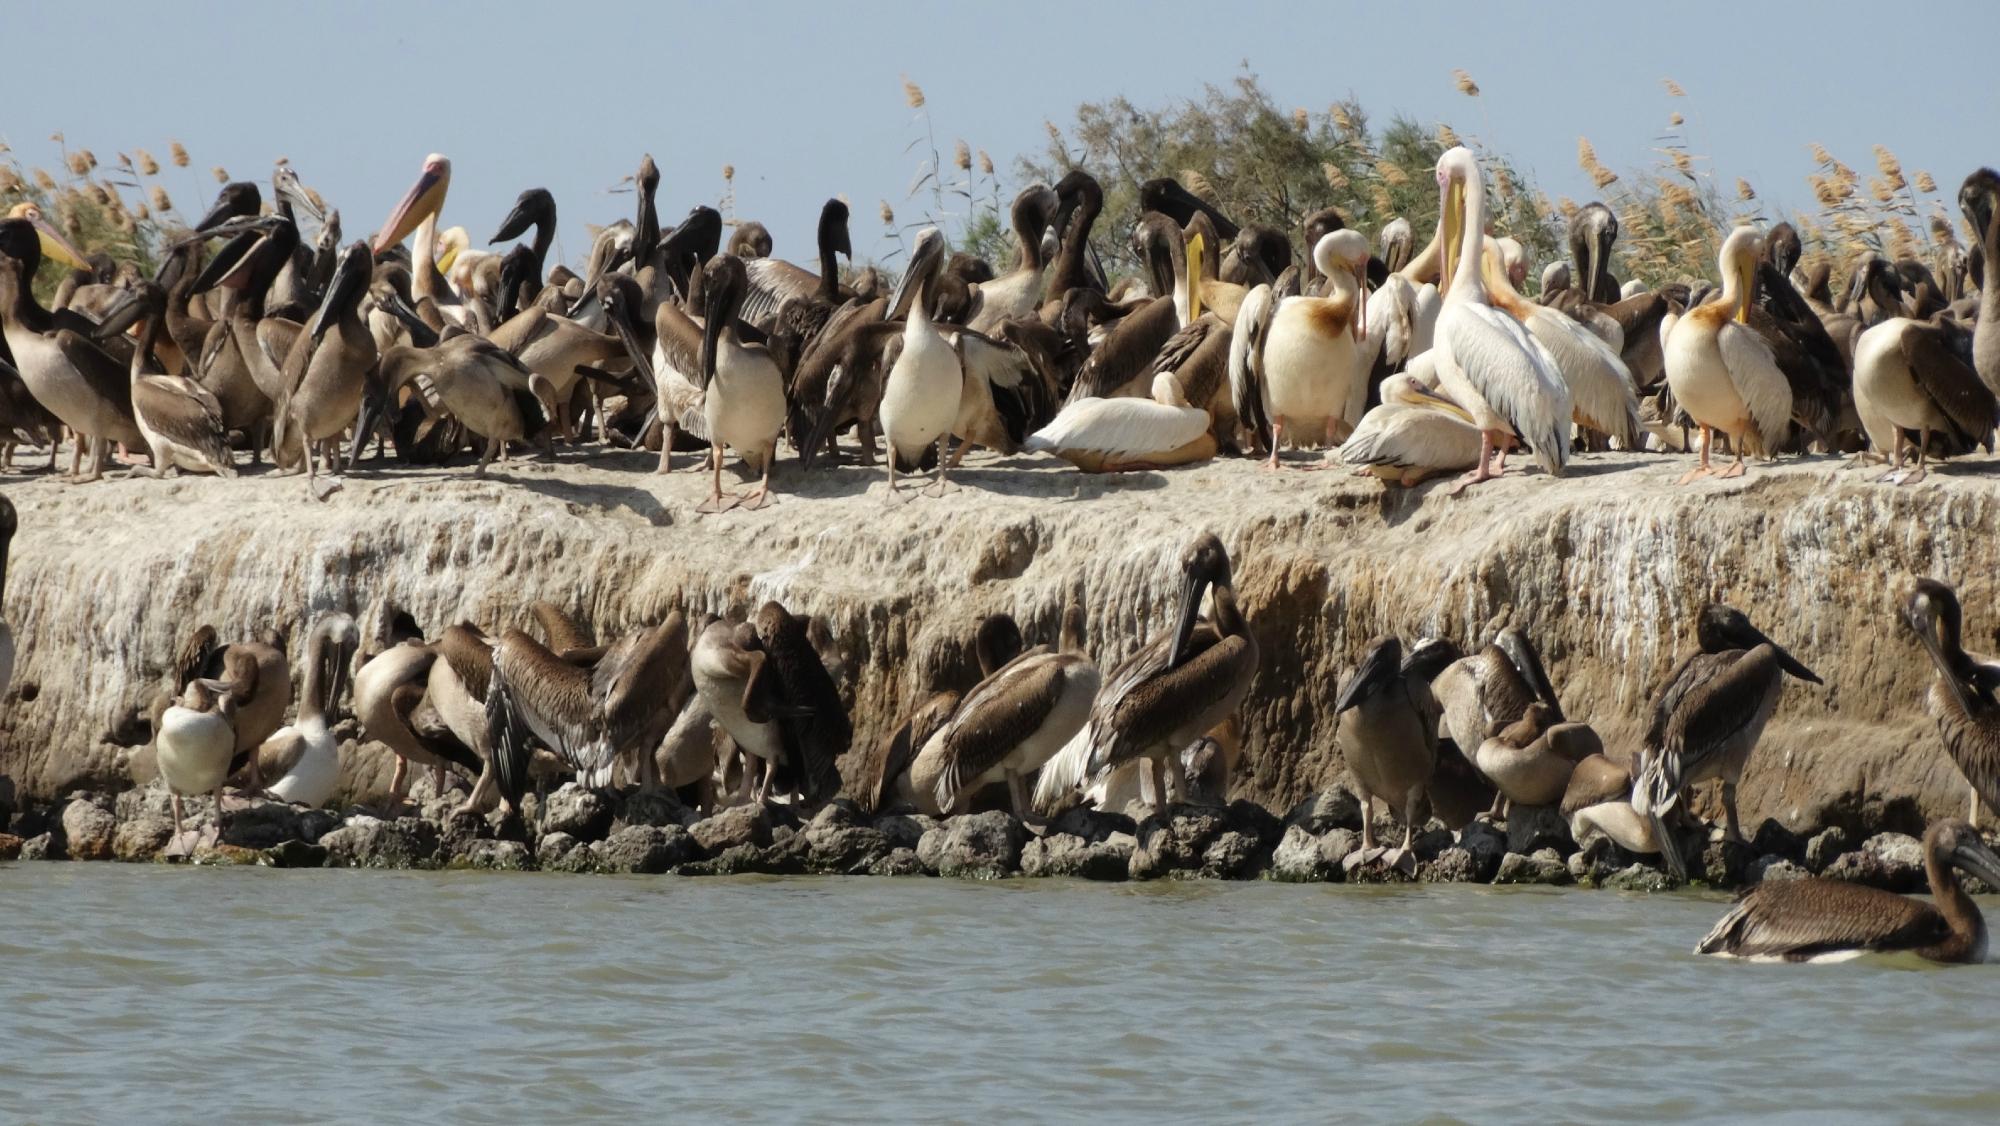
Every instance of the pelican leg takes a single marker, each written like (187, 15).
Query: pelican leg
(1701, 470)
(666, 448)
(1737, 467)
(1923, 458)
(398, 782)
(762, 493)
(218, 813)
(1485, 470)
(1017, 795)
(1277, 434)
(715, 501)
(1894, 475)
(481, 789)
(1972, 815)
(492, 451)
(174, 801)
(940, 487)
(1732, 831)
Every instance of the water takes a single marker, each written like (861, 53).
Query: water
(142, 994)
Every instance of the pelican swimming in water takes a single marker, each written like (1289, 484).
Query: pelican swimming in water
(1963, 698)
(1824, 920)
(1486, 362)
(1388, 732)
(1709, 714)
(303, 760)
(1124, 434)
(1721, 371)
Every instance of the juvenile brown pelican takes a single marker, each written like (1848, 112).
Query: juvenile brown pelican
(750, 239)
(1597, 802)
(327, 371)
(181, 419)
(814, 722)
(629, 684)
(1979, 199)
(1308, 373)
(1709, 714)
(1388, 732)
(1018, 292)
(1486, 362)
(255, 676)
(996, 642)
(303, 760)
(9, 522)
(743, 397)
(1963, 697)
(1823, 920)
(770, 281)
(1530, 760)
(1591, 235)
(1012, 723)
(388, 692)
(1493, 687)
(1908, 376)
(729, 669)
(535, 208)
(920, 395)
(1080, 199)
(456, 697)
(588, 717)
(1178, 686)
(1722, 372)
(480, 384)
(193, 746)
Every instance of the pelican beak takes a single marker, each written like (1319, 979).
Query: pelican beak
(452, 244)
(1429, 398)
(1746, 272)
(424, 199)
(711, 333)
(1191, 592)
(1791, 665)
(1594, 263)
(1361, 289)
(621, 322)
(1451, 220)
(354, 272)
(55, 246)
(514, 225)
(1976, 858)
(301, 201)
(1196, 246)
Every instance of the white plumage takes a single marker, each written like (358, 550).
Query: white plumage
(1124, 429)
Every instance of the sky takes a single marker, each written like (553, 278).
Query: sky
(806, 100)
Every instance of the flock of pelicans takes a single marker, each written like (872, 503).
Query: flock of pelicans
(1410, 364)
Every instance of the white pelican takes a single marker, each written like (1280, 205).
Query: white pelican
(1415, 433)
(304, 759)
(921, 394)
(1907, 376)
(1118, 435)
(1486, 362)
(1602, 397)
(194, 744)
(1721, 370)
(1309, 370)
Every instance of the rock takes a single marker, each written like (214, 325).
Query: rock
(369, 842)
(1532, 827)
(89, 828)
(262, 824)
(786, 859)
(10, 847)
(1543, 867)
(1638, 877)
(1074, 857)
(1773, 839)
(647, 849)
(1726, 863)
(980, 846)
(1774, 869)
(1296, 860)
(1486, 845)
(1335, 846)
(317, 823)
(295, 854)
(1591, 867)
(1235, 855)
(45, 846)
(904, 830)
(735, 827)
(837, 813)
(1452, 866)
(227, 856)
(560, 852)
(582, 813)
(1376, 871)
(1824, 848)
(142, 838)
(1428, 843)
(1175, 844)
(1254, 821)
(553, 847)
(28, 823)
(899, 862)
(1328, 809)
(1093, 825)
(500, 856)
(1890, 861)
(458, 831)
(155, 800)
(656, 807)
(846, 849)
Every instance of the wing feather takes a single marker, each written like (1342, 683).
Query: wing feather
(1759, 381)
(1798, 919)
(1602, 397)
(1949, 382)
(1492, 352)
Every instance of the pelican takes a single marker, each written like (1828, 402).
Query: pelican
(1979, 200)
(1012, 723)
(1963, 697)
(181, 419)
(996, 642)
(1529, 761)
(1415, 433)
(744, 394)
(388, 691)
(1709, 714)
(327, 371)
(1388, 732)
(1486, 362)
(1178, 686)
(920, 395)
(418, 211)
(1602, 397)
(1309, 372)
(813, 722)
(1823, 920)
(1492, 688)
(772, 280)
(257, 680)
(1597, 803)
(1909, 376)
(303, 760)
(9, 521)
(729, 669)
(1721, 371)
(1018, 292)
(1125, 434)
(456, 696)
(193, 746)
(479, 383)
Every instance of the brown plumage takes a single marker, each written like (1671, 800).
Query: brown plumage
(816, 727)
(537, 697)
(1804, 920)
(996, 642)
(1388, 732)
(1493, 686)
(1597, 779)
(560, 630)
(1962, 699)
(632, 685)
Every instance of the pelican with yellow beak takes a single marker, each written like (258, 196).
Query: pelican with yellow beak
(1414, 434)
(417, 213)
(1306, 373)
(1486, 362)
(1721, 371)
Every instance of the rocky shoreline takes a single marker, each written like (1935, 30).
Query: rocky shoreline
(584, 831)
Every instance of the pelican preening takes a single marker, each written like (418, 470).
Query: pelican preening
(301, 763)
(1722, 372)
(1965, 697)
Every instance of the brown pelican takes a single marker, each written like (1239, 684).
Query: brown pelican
(750, 239)
(770, 281)
(477, 382)
(193, 746)
(921, 393)
(1908, 375)
(456, 697)
(1709, 713)
(1529, 761)
(181, 419)
(303, 760)
(630, 682)
(535, 208)
(1012, 723)
(327, 371)
(243, 356)
(1963, 697)
(1180, 685)
(1493, 687)
(1080, 199)
(813, 721)
(1823, 920)
(66, 371)
(1018, 292)
(257, 679)
(590, 718)
(1597, 803)
(1125, 434)
(996, 642)
(1591, 235)
(1486, 362)
(1722, 372)
(388, 692)
(1979, 199)
(1309, 371)
(730, 674)
(9, 521)
(743, 397)
(1388, 732)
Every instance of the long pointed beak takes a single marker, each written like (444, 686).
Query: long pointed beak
(374, 404)
(1792, 665)
(1979, 860)
(424, 199)
(55, 246)
(295, 193)
(1594, 262)
(1191, 592)
(621, 322)
(353, 272)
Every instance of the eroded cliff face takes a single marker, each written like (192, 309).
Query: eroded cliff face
(1605, 567)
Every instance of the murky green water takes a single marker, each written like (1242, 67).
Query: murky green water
(134, 994)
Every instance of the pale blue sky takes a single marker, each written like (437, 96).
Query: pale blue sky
(805, 99)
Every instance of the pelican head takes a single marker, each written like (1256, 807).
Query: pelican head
(424, 200)
(1204, 564)
(725, 284)
(39, 237)
(1513, 260)
(1976, 197)
(1932, 612)
(926, 257)
(1457, 173)
(1429, 657)
(1591, 234)
(1347, 250)
(1514, 642)
(238, 199)
(285, 185)
(350, 283)
(1958, 844)
(334, 640)
(1738, 260)
(1721, 628)
(1555, 278)
(452, 243)
(533, 206)
(1782, 247)
(1398, 241)
(832, 228)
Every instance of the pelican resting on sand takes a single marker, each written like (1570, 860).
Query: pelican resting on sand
(1822, 920)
